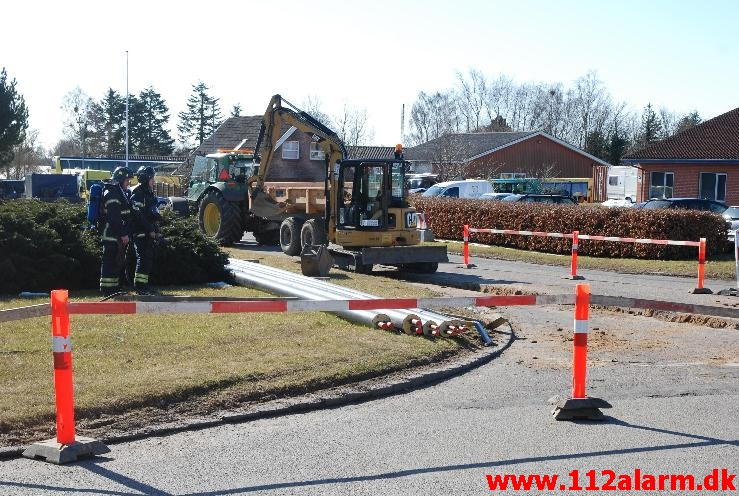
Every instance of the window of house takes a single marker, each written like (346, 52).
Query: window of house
(316, 153)
(661, 185)
(713, 186)
(291, 150)
(612, 180)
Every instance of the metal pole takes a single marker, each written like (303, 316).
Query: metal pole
(126, 108)
(736, 257)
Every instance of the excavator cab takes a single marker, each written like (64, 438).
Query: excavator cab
(370, 189)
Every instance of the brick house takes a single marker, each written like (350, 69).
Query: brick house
(534, 153)
(700, 162)
(297, 158)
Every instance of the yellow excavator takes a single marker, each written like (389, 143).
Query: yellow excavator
(367, 219)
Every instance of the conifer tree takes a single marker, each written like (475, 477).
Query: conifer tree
(202, 117)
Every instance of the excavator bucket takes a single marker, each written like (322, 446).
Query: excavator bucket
(263, 205)
(315, 261)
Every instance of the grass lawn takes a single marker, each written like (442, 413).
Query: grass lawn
(129, 363)
(719, 267)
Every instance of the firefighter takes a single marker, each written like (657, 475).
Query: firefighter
(145, 231)
(116, 220)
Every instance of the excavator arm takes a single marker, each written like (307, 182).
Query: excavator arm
(276, 117)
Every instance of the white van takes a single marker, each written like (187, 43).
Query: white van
(470, 188)
(621, 183)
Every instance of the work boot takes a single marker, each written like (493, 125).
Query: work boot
(146, 291)
(110, 291)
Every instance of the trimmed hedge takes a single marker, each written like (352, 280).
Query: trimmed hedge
(446, 216)
(45, 246)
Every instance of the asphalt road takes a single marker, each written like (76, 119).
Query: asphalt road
(674, 389)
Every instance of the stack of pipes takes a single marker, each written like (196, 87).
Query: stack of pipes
(412, 321)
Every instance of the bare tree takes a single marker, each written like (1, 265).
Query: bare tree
(433, 116)
(314, 106)
(77, 108)
(669, 120)
(498, 98)
(28, 157)
(353, 127)
(472, 95)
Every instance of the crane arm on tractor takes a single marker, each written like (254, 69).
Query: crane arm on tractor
(275, 118)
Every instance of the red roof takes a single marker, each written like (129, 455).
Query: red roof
(717, 138)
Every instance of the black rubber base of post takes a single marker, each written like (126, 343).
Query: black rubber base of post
(574, 278)
(53, 452)
(701, 291)
(579, 408)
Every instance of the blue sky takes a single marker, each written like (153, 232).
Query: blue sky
(378, 55)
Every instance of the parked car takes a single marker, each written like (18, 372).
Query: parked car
(470, 188)
(687, 204)
(551, 199)
(619, 203)
(731, 215)
(494, 196)
(418, 183)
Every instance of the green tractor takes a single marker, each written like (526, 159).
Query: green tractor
(218, 186)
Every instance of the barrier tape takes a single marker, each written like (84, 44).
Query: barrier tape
(522, 233)
(280, 306)
(575, 236)
(668, 306)
(591, 237)
(261, 306)
(21, 313)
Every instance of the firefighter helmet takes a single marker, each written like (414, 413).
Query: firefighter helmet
(144, 173)
(121, 173)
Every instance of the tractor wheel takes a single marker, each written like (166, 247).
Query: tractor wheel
(290, 236)
(313, 233)
(219, 219)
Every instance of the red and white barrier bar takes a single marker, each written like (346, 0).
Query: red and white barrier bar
(261, 306)
(576, 237)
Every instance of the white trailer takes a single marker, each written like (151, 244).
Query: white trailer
(621, 183)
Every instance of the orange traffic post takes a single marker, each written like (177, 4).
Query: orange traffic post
(573, 261)
(579, 406)
(66, 447)
(580, 341)
(62, 351)
(466, 237)
(466, 248)
(700, 288)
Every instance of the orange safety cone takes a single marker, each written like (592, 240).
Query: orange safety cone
(579, 405)
(66, 447)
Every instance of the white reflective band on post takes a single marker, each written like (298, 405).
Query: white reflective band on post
(60, 344)
(461, 301)
(318, 306)
(173, 306)
(581, 326)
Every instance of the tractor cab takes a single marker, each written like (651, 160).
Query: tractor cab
(228, 169)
